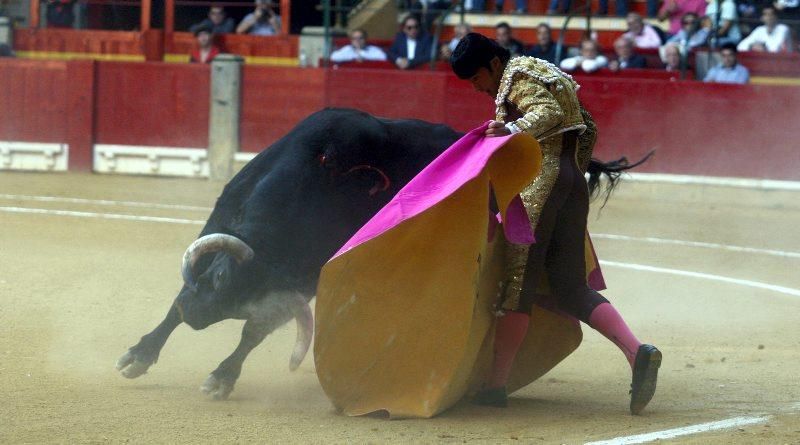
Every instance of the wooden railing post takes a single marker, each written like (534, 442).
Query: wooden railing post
(169, 18)
(144, 20)
(286, 17)
(35, 20)
(224, 112)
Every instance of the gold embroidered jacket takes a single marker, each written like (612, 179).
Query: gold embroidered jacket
(535, 96)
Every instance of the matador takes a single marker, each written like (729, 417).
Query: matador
(533, 96)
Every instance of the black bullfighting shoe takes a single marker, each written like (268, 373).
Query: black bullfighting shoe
(645, 374)
(495, 397)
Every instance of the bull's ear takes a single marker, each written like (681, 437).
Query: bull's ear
(374, 179)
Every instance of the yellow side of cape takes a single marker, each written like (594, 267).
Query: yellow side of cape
(404, 321)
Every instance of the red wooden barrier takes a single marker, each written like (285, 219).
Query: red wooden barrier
(701, 129)
(283, 47)
(154, 104)
(49, 102)
(274, 100)
(696, 128)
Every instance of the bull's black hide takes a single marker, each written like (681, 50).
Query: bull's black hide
(294, 205)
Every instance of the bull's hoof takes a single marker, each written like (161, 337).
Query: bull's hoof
(218, 389)
(131, 367)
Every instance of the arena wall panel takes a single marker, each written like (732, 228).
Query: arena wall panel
(695, 128)
(393, 93)
(274, 100)
(152, 104)
(33, 97)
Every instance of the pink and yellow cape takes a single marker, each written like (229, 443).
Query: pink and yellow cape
(404, 320)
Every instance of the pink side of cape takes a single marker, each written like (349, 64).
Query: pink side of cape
(459, 164)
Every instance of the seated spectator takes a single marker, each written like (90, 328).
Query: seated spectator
(459, 32)
(263, 21)
(729, 71)
(217, 21)
(6, 51)
(429, 11)
(506, 40)
(411, 46)
(674, 10)
(642, 34)
(357, 50)
(521, 7)
(728, 27)
(60, 14)
(787, 9)
(475, 5)
(559, 7)
(772, 36)
(621, 11)
(546, 48)
(626, 57)
(589, 59)
(691, 34)
(206, 50)
(671, 56)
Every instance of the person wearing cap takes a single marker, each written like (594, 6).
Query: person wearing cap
(206, 50)
(535, 97)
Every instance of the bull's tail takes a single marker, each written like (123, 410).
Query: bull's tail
(613, 171)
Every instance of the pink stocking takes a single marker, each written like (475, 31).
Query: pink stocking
(606, 320)
(510, 331)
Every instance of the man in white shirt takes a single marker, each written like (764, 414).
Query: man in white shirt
(357, 50)
(589, 60)
(773, 36)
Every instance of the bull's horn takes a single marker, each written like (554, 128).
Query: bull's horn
(305, 331)
(214, 242)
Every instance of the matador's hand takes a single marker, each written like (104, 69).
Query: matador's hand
(497, 128)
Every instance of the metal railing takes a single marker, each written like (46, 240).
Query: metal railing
(439, 24)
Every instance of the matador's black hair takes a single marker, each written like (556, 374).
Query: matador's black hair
(475, 51)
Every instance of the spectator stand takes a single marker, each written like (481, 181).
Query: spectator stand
(142, 41)
(765, 68)
(278, 50)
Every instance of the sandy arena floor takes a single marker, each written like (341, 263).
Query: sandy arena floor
(78, 290)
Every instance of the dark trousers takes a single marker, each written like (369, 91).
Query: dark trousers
(622, 7)
(560, 243)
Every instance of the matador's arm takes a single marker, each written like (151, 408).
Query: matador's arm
(541, 112)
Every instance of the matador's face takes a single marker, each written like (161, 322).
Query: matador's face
(488, 80)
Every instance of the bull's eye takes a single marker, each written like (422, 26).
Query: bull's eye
(218, 280)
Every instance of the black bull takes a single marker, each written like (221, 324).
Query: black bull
(279, 220)
(292, 207)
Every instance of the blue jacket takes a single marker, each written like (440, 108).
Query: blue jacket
(400, 49)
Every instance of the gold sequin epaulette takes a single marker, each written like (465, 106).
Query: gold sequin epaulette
(538, 69)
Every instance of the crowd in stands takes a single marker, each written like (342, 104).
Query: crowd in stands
(721, 25)
(693, 25)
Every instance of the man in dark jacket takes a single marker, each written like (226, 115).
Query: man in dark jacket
(411, 47)
(217, 21)
(545, 49)
(626, 57)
